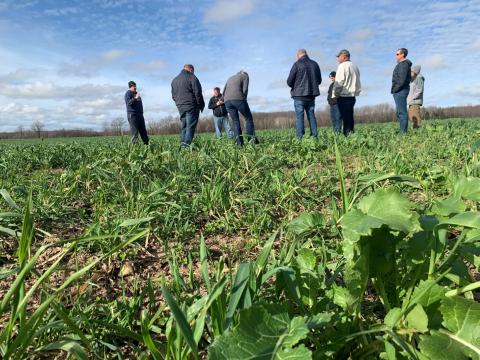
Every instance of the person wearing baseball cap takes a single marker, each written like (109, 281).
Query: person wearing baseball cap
(134, 104)
(332, 102)
(346, 88)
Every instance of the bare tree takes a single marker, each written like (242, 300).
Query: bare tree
(105, 127)
(37, 127)
(20, 131)
(117, 125)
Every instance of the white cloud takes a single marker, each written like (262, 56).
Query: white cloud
(476, 44)
(20, 74)
(141, 67)
(360, 35)
(433, 62)
(62, 11)
(469, 92)
(16, 108)
(114, 54)
(89, 67)
(49, 90)
(224, 11)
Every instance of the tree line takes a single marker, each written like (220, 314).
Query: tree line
(169, 125)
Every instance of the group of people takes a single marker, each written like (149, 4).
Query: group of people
(304, 80)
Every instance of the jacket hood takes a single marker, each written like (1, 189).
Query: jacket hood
(416, 69)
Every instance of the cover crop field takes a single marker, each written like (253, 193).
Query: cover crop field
(366, 247)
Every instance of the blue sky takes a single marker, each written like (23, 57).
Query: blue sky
(67, 63)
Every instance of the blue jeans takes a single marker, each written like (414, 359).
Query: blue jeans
(222, 122)
(308, 107)
(336, 118)
(189, 121)
(233, 108)
(401, 105)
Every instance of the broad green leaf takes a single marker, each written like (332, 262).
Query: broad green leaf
(297, 330)
(468, 219)
(461, 337)
(306, 259)
(467, 188)
(418, 319)
(427, 293)
(462, 318)
(298, 353)
(448, 206)
(392, 317)
(306, 223)
(440, 347)
(390, 351)
(472, 236)
(263, 333)
(392, 208)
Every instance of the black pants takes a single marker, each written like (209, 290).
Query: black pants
(137, 126)
(345, 106)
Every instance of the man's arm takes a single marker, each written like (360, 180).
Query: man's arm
(318, 74)
(173, 94)
(339, 81)
(197, 91)
(400, 76)
(246, 81)
(212, 104)
(292, 75)
(129, 98)
(419, 88)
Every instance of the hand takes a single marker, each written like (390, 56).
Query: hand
(138, 96)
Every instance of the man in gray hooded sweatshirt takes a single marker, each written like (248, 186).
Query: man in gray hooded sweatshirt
(400, 87)
(415, 96)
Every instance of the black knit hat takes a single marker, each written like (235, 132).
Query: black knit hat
(131, 83)
(333, 74)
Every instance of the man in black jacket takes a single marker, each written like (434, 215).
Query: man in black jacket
(220, 115)
(187, 94)
(133, 101)
(304, 79)
(335, 116)
(401, 86)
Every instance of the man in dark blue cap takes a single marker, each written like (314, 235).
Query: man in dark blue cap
(133, 101)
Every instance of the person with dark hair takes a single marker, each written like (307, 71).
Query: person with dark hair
(345, 89)
(133, 101)
(401, 86)
(220, 114)
(304, 80)
(188, 97)
(332, 102)
(235, 94)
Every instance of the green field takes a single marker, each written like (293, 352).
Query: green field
(366, 247)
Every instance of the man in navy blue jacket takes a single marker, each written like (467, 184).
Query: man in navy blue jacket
(401, 86)
(188, 97)
(304, 79)
(133, 101)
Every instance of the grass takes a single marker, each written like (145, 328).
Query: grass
(190, 226)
